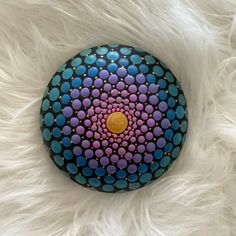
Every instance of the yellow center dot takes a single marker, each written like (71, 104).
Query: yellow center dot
(116, 122)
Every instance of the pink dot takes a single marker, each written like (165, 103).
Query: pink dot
(87, 123)
(97, 136)
(111, 140)
(90, 112)
(81, 115)
(118, 99)
(126, 101)
(105, 143)
(108, 151)
(144, 128)
(96, 144)
(144, 116)
(114, 92)
(139, 107)
(137, 113)
(121, 151)
(131, 147)
(89, 134)
(104, 135)
(94, 119)
(121, 135)
(131, 133)
(93, 127)
(119, 140)
(114, 135)
(134, 126)
(111, 99)
(134, 119)
(97, 110)
(124, 143)
(141, 139)
(133, 98)
(104, 96)
(140, 122)
(132, 139)
(151, 122)
(115, 145)
(103, 104)
(96, 102)
(141, 148)
(80, 130)
(124, 93)
(137, 132)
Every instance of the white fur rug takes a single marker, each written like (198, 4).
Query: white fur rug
(197, 40)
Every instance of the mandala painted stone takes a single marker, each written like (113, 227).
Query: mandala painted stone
(113, 118)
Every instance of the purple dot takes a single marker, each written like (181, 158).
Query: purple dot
(103, 74)
(113, 79)
(124, 93)
(104, 96)
(151, 122)
(165, 123)
(77, 151)
(144, 128)
(150, 147)
(140, 78)
(99, 153)
(161, 142)
(142, 88)
(80, 130)
(144, 116)
(87, 123)
(74, 93)
(96, 103)
(157, 115)
(133, 98)
(89, 134)
(137, 158)
(104, 161)
(129, 79)
(121, 151)
(66, 130)
(89, 153)
(141, 148)
(121, 72)
(81, 115)
(87, 82)
(86, 102)
(98, 83)
(139, 106)
(122, 163)
(120, 85)
(132, 168)
(85, 144)
(149, 109)
(111, 169)
(132, 88)
(107, 87)
(75, 139)
(157, 131)
(76, 104)
(93, 164)
(74, 121)
(90, 112)
(149, 136)
(131, 147)
(114, 158)
(96, 144)
(95, 93)
(142, 98)
(128, 156)
(153, 88)
(67, 111)
(153, 99)
(148, 157)
(162, 106)
(85, 92)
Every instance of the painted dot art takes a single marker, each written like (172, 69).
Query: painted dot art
(113, 118)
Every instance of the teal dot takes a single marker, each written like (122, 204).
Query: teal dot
(76, 62)
(56, 146)
(154, 166)
(134, 186)
(177, 138)
(81, 161)
(65, 99)
(87, 171)
(145, 178)
(151, 78)
(45, 92)
(175, 125)
(125, 50)
(66, 142)
(132, 178)
(175, 152)
(158, 71)
(182, 100)
(107, 188)
(162, 83)
(54, 94)
(121, 174)
(65, 87)
(56, 80)
(60, 120)
(49, 119)
(173, 90)
(143, 68)
(80, 179)
(113, 55)
(170, 114)
(61, 67)
(170, 77)
(47, 134)
(165, 161)
(56, 132)
(67, 73)
(93, 71)
(58, 160)
(56, 107)
(180, 112)
(149, 59)
(90, 59)
(113, 45)
(109, 179)
(102, 50)
(136, 59)
(72, 168)
(80, 70)
(68, 154)
(94, 182)
(100, 62)
(100, 171)
(45, 104)
(112, 67)
(132, 70)
(124, 62)
(76, 82)
(40, 120)
(159, 172)
(121, 184)
(85, 52)
(158, 154)
(168, 147)
(183, 126)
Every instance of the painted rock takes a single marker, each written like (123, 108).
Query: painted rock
(113, 118)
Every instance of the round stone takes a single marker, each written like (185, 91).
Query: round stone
(113, 118)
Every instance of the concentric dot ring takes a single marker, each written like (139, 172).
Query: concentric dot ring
(113, 118)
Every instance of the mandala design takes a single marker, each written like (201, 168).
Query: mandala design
(113, 118)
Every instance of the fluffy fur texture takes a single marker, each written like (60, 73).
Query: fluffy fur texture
(197, 40)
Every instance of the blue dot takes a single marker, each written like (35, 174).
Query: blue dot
(149, 59)
(47, 134)
(175, 152)
(175, 125)
(121, 184)
(142, 168)
(58, 160)
(170, 114)
(72, 168)
(109, 179)
(87, 171)
(100, 62)
(170, 77)
(49, 119)
(151, 78)
(67, 73)
(171, 102)
(124, 62)
(125, 50)
(107, 188)
(56, 80)
(68, 154)
(113, 55)
(81, 161)
(159, 172)
(56, 146)
(132, 70)
(154, 166)
(145, 178)
(60, 120)
(173, 90)
(66, 142)
(65, 87)
(180, 112)
(56, 107)
(169, 133)
(45, 104)
(102, 50)
(54, 94)
(143, 68)
(76, 82)
(132, 177)
(162, 95)
(158, 71)
(90, 59)
(56, 132)
(134, 186)
(94, 182)
(100, 171)
(80, 179)
(121, 174)
(76, 62)
(80, 70)
(112, 67)
(158, 154)
(165, 161)
(177, 138)
(65, 99)
(93, 71)
(162, 83)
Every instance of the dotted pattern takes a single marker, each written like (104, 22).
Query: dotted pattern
(92, 85)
